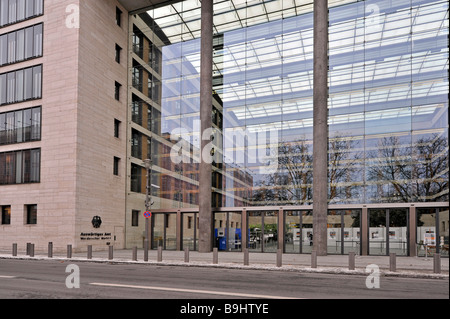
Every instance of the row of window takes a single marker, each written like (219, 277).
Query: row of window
(20, 126)
(21, 45)
(20, 167)
(30, 215)
(13, 11)
(21, 85)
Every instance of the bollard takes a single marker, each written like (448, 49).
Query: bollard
(392, 262)
(186, 255)
(28, 249)
(69, 251)
(313, 259)
(279, 257)
(14, 250)
(31, 250)
(215, 256)
(246, 257)
(89, 252)
(145, 250)
(134, 253)
(437, 263)
(160, 254)
(110, 252)
(50, 250)
(351, 260)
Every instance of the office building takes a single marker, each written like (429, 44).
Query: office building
(220, 96)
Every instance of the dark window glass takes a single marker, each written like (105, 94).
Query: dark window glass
(6, 215)
(31, 214)
(135, 218)
(116, 166)
(118, 17)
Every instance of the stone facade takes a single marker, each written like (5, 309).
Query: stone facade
(78, 145)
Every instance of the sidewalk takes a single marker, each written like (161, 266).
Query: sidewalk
(417, 267)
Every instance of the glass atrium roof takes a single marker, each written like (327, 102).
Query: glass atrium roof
(410, 40)
(228, 15)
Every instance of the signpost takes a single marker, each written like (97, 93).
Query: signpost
(147, 214)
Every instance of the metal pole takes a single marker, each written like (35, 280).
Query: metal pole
(186, 255)
(148, 167)
(437, 263)
(134, 253)
(14, 250)
(351, 260)
(215, 256)
(111, 253)
(69, 251)
(160, 254)
(145, 250)
(392, 262)
(279, 257)
(89, 252)
(31, 250)
(50, 250)
(313, 259)
(320, 127)
(246, 257)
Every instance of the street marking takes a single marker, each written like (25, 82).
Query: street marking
(7, 277)
(208, 292)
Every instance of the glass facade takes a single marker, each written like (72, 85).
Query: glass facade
(388, 101)
(387, 115)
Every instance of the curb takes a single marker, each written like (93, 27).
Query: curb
(285, 268)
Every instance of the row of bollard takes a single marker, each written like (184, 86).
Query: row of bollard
(351, 257)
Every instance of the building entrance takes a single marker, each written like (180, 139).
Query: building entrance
(389, 231)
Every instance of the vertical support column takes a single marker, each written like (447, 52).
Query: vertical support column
(281, 229)
(320, 151)
(364, 232)
(412, 232)
(205, 213)
(179, 236)
(244, 230)
(150, 224)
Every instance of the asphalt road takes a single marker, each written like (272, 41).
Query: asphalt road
(25, 279)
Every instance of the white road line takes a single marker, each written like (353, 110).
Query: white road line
(208, 292)
(7, 277)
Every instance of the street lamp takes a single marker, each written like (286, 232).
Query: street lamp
(148, 204)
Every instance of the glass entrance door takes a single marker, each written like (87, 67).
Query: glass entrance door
(343, 231)
(227, 231)
(388, 231)
(164, 231)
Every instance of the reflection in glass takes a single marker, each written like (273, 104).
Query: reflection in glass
(190, 231)
(432, 231)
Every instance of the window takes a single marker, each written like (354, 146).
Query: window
(116, 166)
(13, 11)
(118, 52)
(136, 178)
(21, 85)
(20, 126)
(118, 17)
(31, 214)
(6, 215)
(135, 218)
(116, 128)
(20, 167)
(21, 45)
(117, 91)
